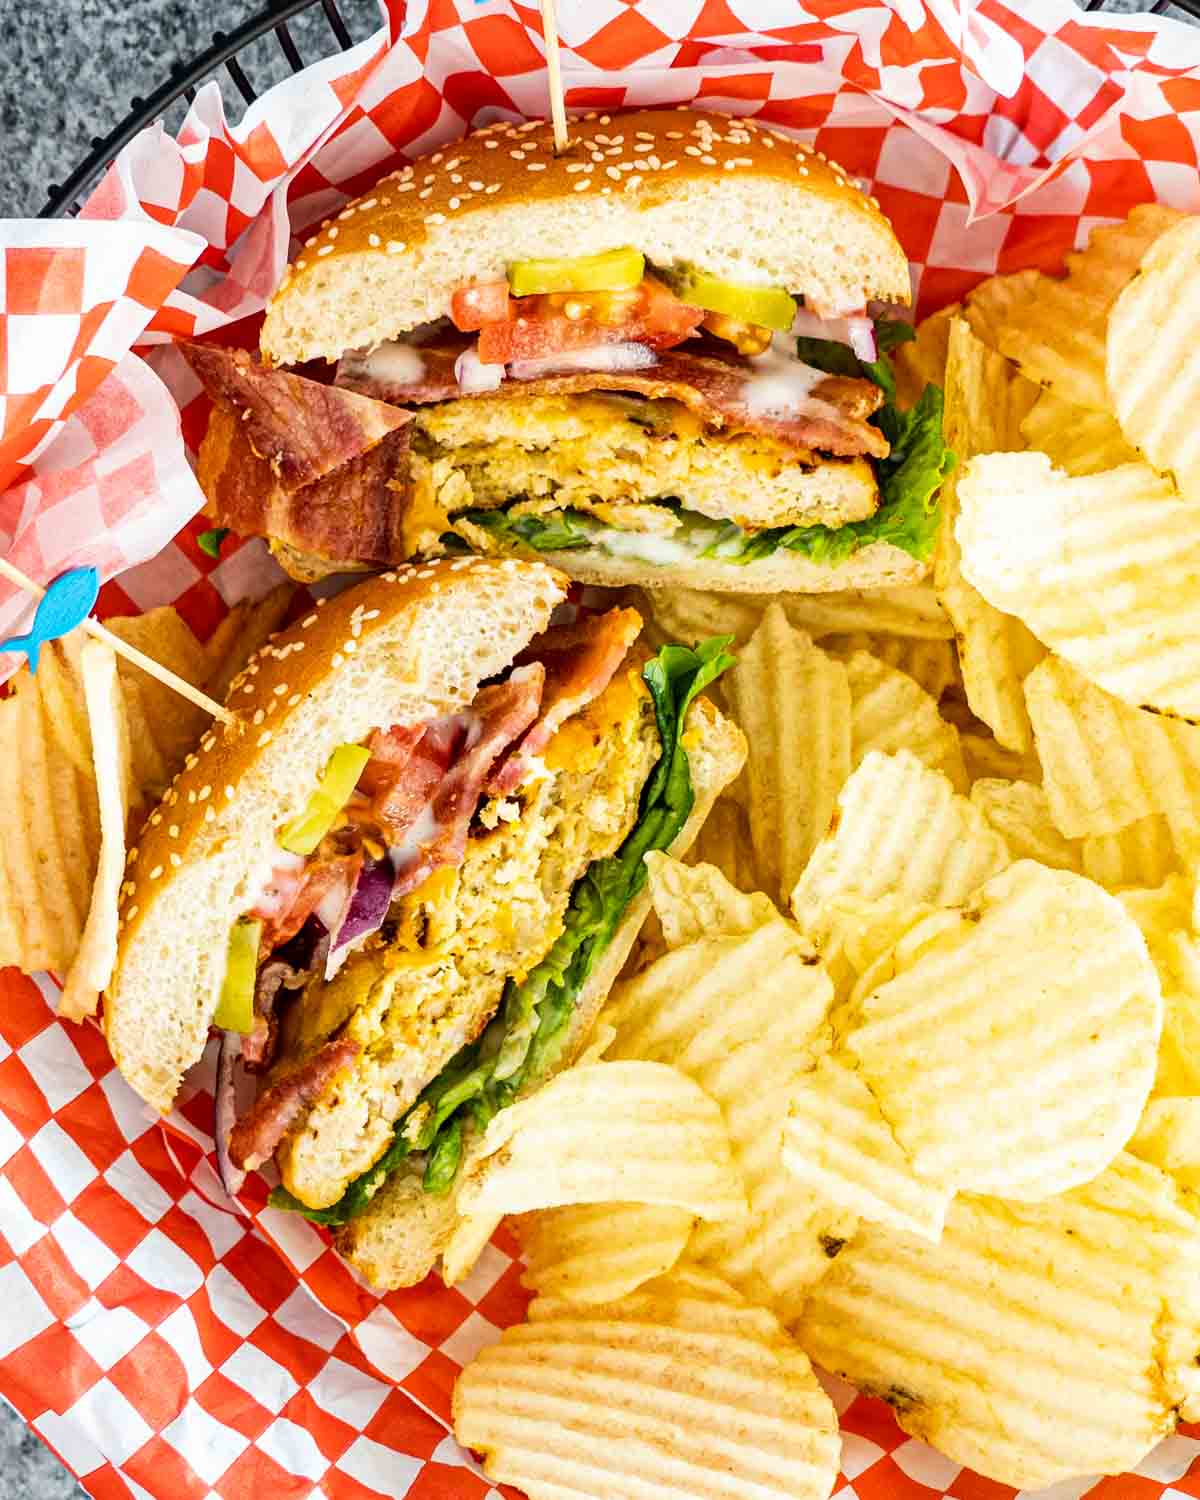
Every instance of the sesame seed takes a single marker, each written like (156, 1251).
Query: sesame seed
(156, 873)
(294, 699)
(228, 793)
(265, 739)
(307, 621)
(173, 831)
(406, 187)
(535, 166)
(494, 188)
(209, 815)
(132, 912)
(517, 155)
(450, 166)
(333, 232)
(394, 247)
(643, 135)
(131, 857)
(301, 263)
(476, 186)
(175, 861)
(435, 218)
(325, 250)
(709, 161)
(425, 192)
(370, 203)
(259, 716)
(351, 646)
(491, 145)
(584, 182)
(204, 793)
(374, 241)
(634, 182)
(691, 150)
(454, 202)
(673, 135)
(613, 173)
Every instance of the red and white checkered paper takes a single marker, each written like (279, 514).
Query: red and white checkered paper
(165, 1344)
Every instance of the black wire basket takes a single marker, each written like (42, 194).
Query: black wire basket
(228, 51)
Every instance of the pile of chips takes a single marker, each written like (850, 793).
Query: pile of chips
(936, 960)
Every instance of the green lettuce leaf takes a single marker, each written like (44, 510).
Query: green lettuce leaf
(525, 1038)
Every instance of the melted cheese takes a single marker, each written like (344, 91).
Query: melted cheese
(578, 745)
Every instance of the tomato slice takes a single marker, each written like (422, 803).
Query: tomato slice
(473, 306)
(652, 315)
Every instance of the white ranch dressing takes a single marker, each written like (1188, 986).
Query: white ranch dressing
(779, 385)
(393, 363)
(644, 546)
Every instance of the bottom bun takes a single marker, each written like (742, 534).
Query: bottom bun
(878, 565)
(397, 1241)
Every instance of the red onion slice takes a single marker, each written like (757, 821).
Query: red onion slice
(370, 902)
(225, 1114)
(858, 332)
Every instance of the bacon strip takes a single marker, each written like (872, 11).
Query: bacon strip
(405, 768)
(501, 713)
(711, 383)
(288, 910)
(580, 661)
(353, 514)
(302, 429)
(256, 1135)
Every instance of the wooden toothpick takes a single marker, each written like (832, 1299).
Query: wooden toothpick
(130, 653)
(558, 108)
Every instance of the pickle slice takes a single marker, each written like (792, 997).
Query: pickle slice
(768, 306)
(610, 271)
(235, 1008)
(303, 834)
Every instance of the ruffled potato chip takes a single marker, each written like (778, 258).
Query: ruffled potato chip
(932, 665)
(1055, 330)
(109, 735)
(1102, 568)
(889, 712)
(691, 615)
(838, 1146)
(1015, 1055)
(1020, 812)
(903, 831)
(1106, 765)
(996, 651)
(607, 1132)
(1037, 1342)
(696, 901)
(1151, 347)
(1076, 439)
(597, 1252)
(681, 1391)
(744, 1016)
(793, 703)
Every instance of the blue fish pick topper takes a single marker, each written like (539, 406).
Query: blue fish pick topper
(67, 602)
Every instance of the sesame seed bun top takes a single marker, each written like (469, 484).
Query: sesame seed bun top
(738, 199)
(403, 647)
